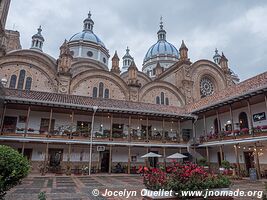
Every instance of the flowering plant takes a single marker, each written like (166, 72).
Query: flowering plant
(244, 130)
(182, 177)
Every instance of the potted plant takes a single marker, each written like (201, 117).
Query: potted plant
(31, 130)
(225, 167)
(68, 169)
(203, 162)
(236, 132)
(244, 131)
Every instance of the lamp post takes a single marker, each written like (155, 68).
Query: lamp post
(91, 138)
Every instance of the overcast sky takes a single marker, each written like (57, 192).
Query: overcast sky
(238, 28)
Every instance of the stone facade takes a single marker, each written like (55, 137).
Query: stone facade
(180, 83)
(80, 71)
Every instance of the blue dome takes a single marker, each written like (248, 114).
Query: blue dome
(87, 36)
(162, 47)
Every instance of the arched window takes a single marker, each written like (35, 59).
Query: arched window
(106, 93)
(157, 100)
(28, 84)
(21, 79)
(167, 101)
(162, 98)
(101, 90)
(13, 81)
(243, 120)
(94, 92)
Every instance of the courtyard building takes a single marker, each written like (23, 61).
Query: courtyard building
(83, 107)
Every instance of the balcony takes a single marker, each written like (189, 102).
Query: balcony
(235, 134)
(97, 136)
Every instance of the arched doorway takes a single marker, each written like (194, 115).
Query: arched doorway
(243, 120)
(216, 127)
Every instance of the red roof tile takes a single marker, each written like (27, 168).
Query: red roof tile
(83, 101)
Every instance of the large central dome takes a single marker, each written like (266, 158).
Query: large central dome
(162, 47)
(87, 36)
(161, 52)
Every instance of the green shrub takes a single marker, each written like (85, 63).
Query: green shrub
(219, 181)
(226, 164)
(13, 167)
(41, 196)
(202, 162)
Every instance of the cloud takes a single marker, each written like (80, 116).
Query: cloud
(236, 27)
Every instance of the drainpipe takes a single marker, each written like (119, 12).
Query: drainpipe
(91, 138)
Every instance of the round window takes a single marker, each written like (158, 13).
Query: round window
(206, 87)
(104, 60)
(89, 53)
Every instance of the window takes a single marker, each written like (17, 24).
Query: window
(28, 83)
(167, 101)
(94, 92)
(153, 71)
(13, 81)
(89, 53)
(157, 100)
(206, 87)
(162, 98)
(104, 60)
(21, 79)
(106, 93)
(45, 125)
(101, 89)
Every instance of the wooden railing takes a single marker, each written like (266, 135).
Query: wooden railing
(96, 137)
(236, 134)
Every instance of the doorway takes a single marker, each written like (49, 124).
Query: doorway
(220, 159)
(10, 124)
(216, 126)
(27, 153)
(104, 161)
(249, 160)
(55, 158)
(153, 162)
(243, 120)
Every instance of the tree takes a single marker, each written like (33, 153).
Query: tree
(13, 168)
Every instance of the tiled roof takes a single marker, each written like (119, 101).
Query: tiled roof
(88, 102)
(253, 84)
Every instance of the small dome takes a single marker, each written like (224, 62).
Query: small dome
(162, 47)
(87, 36)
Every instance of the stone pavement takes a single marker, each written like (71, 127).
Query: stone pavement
(81, 187)
(73, 187)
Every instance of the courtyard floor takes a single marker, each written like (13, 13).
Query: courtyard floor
(81, 187)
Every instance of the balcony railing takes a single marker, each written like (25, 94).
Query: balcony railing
(97, 136)
(235, 134)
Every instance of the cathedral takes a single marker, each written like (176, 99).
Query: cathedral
(52, 106)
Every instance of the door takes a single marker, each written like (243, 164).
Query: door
(105, 161)
(27, 153)
(10, 124)
(55, 157)
(249, 160)
(153, 162)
